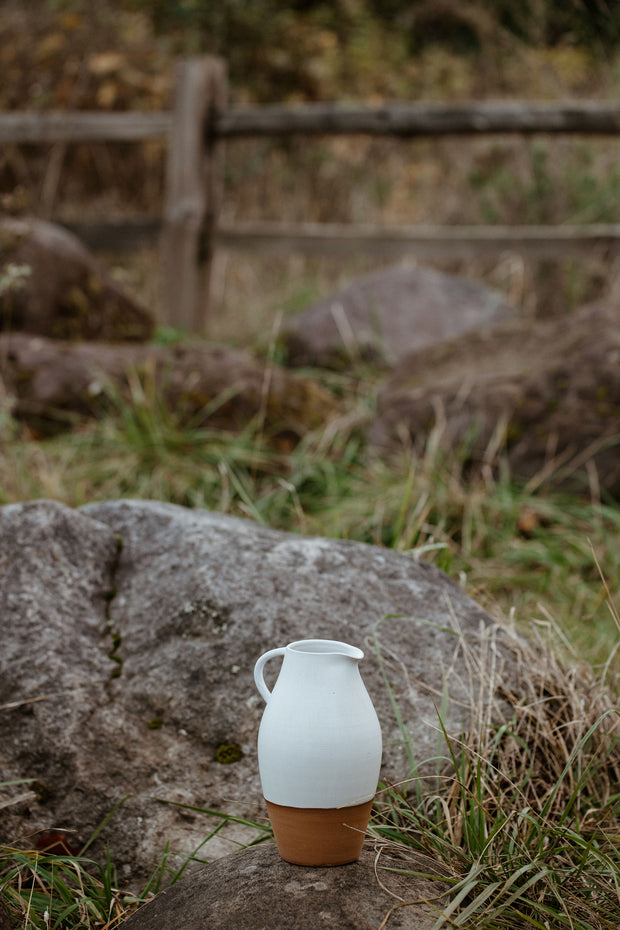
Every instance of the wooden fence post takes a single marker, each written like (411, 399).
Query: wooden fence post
(193, 192)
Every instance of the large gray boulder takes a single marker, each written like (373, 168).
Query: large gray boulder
(129, 633)
(256, 889)
(381, 316)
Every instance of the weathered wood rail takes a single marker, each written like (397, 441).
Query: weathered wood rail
(396, 119)
(200, 121)
(420, 119)
(83, 126)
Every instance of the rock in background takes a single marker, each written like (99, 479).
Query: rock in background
(64, 294)
(549, 389)
(382, 316)
(53, 383)
(129, 635)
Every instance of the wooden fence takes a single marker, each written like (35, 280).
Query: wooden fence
(200, 120)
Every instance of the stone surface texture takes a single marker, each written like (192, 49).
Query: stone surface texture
(52, 383)
(65, 293)
(129, 634)
(381, 316)
(256, 889)
(549, 388)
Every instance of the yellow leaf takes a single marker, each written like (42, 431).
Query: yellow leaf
(107, 94)
(106, 63)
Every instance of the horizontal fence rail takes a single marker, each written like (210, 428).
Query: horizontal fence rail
(189, 231)
(419, 119)
(122, 236)
(83, 126)
(541, 242)
(462, 242)
(398, 119)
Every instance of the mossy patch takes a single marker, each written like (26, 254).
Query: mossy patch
(227, 753)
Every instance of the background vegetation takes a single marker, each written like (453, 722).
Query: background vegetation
(529, 554)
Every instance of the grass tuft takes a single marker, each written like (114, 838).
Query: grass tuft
(522, 828)
(43, 891)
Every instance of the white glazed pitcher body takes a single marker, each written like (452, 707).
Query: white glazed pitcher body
(319, 742)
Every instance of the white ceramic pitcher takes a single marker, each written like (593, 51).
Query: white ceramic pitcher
(319, 742)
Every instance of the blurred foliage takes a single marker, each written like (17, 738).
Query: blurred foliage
(300, 49)
(314, 49)
(460, 24)
(548, 189)
(121, 55)
(117, 54)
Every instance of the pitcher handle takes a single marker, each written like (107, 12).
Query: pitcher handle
(258, 671)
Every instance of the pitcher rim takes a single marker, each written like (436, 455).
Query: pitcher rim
(322, 648)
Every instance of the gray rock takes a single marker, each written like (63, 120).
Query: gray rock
(65, 294)
(549, 390)
(382, 316)
(56, 571)
(53, 383)
(129, 635)
(256, 890)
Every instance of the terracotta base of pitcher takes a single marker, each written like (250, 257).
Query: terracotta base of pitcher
(317, 836)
